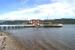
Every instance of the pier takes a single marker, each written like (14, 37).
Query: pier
(6, 27)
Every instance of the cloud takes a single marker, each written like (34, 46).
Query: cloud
(51, 11)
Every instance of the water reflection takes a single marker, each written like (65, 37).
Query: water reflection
(46, 38)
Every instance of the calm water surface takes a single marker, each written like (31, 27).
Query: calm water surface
(48, 38)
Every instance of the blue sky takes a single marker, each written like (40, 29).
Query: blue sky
(28, 9)
(11, 5)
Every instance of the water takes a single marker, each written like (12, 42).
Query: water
(47, 38)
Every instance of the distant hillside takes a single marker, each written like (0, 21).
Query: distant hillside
(64, 21)
(14, 22)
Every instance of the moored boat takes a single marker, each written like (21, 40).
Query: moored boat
(51, 25)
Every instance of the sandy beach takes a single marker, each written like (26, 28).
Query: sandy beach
(9, 43)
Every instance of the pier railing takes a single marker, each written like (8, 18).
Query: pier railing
(6, 27)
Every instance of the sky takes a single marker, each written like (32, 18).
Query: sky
(36, 9)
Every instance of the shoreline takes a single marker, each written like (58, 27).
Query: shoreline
(9, 43)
